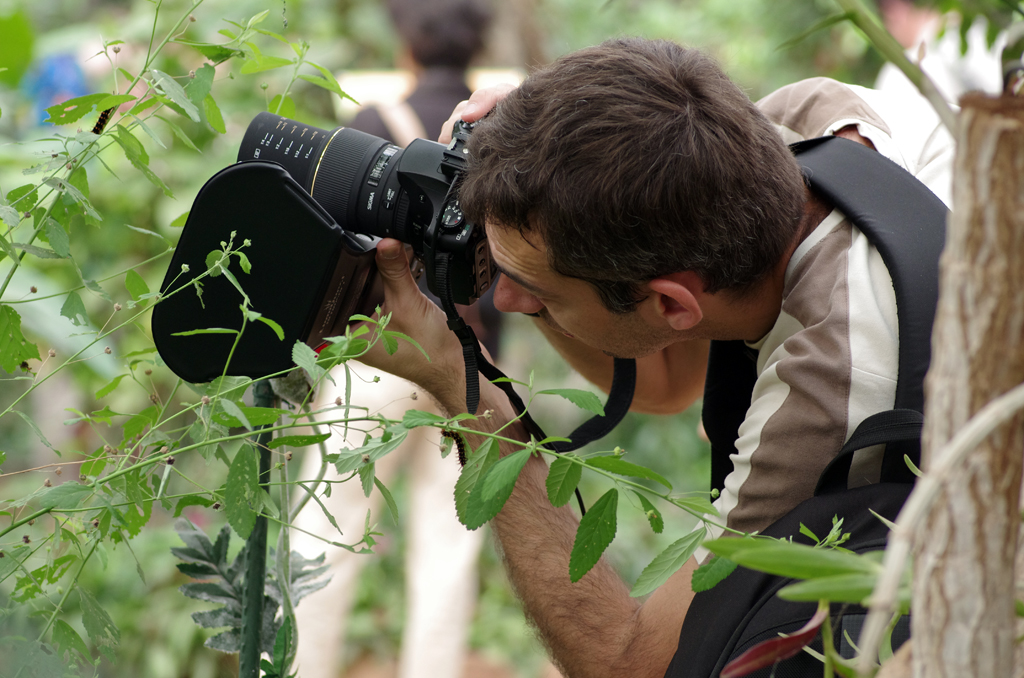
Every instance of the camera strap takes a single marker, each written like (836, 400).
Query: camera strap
(620, 397)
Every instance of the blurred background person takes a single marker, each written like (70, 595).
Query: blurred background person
(953, 70)
(439, 38)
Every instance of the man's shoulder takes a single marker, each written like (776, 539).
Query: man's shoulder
(816, 107)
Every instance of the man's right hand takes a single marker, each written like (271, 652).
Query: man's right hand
(477, 106)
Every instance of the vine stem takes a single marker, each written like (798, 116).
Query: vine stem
(950, 457)
(64, 598)
(865, 20)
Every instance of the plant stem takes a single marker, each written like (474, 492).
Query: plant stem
(64, 598)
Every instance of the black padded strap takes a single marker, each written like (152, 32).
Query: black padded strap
(470, 345)
(891, 426)
(620, 397)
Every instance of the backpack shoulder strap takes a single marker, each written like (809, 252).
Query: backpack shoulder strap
(906, 222)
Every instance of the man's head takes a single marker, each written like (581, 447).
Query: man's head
(441, 32)
(632, 160)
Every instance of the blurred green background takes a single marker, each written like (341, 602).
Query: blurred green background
(158, 638)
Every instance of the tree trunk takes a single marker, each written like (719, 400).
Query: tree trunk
(963, 618)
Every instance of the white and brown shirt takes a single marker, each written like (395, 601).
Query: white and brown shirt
(831, 360)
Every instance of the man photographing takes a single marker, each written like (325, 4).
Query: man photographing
(640, 206)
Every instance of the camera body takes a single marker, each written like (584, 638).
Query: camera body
(311, 204)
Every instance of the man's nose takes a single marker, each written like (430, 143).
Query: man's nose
(510, 297)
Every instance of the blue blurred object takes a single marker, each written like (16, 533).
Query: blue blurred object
(55, 78)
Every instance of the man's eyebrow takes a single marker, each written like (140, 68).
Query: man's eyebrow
(529, 287)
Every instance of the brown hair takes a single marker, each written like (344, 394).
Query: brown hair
(442, 32)
(634, 159)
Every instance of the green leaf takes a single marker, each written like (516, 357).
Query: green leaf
(844, 588)
(71, 192)
(175, 93)
(65, 496)
(113, 101)
(135, 285)
(198, 87)
(68, 642)
(700, 505)
(618, 465)
(16, 44)
(272, 325)
(180, 220)
(241, 494)
(263, 62)
(14, 348)
(306, 358)
(667, 563)
(787, 559)
(416, 418)
(213, 115)
(327, 81)
(137, 156)
(375, 449)
(501, 478)
(40, 252)
(285, 108)
(298, 441)
(191, 500)
(58, 238)
(180, 133)
(74, 309)
(235, 412)
(75, 109)
(563, 477)
(583, 399)
(388, 499)
(23, 198)
(215, 53)
(367, 474)
(595, 533)
(208, 330)
(109, 388)
(98, 624)
(653, 515)
(711, 573)
(479, 462)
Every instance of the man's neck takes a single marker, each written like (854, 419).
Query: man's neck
(756, 312)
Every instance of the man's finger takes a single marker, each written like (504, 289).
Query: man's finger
(477, 106)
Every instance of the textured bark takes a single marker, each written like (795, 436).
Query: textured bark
(963, 622)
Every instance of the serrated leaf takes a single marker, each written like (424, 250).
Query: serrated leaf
(251, 416)
(175, 93)
(416, 418)
(135, 285)
(213, 115)
(596, 531)
(10, 216)
(191, 500)
(229, 641)
(653, 515)
(114, 101)
(179, 133)
(583, 399)
(98, 624)
(501, 478)
(211, 593)
(179, 222)
(388, 499)
(367, 474)
(58, 238)
(622, 467)
(262, 62)
(240, 495)
(36, 251)
(66, 496)
(137, 156)
(234, 411)
(272, 325)
(68, 642)
(306, 358)
(563, 477)
(667, 563)
(195, 570)
(711, 573)
(74, 109)
(702, 506)
(215, 53)
(298, 441)
(217, 618)
(478, 463)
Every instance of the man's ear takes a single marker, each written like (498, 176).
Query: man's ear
(676, 298)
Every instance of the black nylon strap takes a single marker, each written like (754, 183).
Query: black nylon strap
(470, 345)
(891, 426)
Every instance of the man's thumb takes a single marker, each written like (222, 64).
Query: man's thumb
(392, 261)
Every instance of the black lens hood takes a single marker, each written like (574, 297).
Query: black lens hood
(299, 255)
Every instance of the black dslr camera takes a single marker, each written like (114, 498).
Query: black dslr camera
(309, 206)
